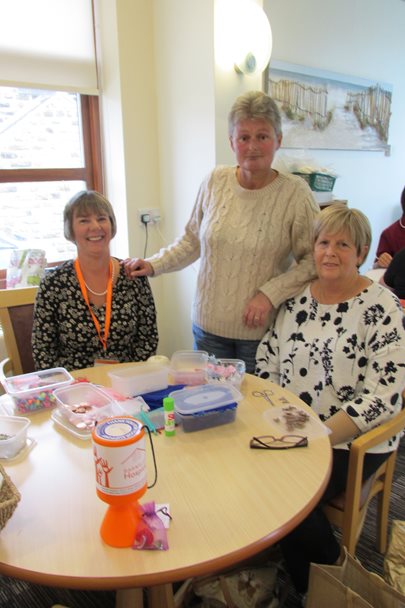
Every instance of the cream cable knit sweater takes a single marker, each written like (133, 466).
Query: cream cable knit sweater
(244, 239)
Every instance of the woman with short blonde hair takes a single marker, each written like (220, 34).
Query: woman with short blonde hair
(339, 345)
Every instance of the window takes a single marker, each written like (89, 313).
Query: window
(49, 149)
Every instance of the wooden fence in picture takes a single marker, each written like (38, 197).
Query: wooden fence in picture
(372, 108)
(300, 101)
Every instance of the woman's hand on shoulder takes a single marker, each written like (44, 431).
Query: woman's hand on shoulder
(136, 267)
(257, 310)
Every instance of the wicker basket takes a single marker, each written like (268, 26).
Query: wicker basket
(9, 498)
(319, 182)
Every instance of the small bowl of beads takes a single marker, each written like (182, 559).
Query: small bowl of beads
(13, 435)
(34, 392)
(226, 370)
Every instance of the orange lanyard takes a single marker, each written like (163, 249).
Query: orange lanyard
(103, 339)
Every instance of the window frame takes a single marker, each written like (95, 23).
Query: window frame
(91, 173)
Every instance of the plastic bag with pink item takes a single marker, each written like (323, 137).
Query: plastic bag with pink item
(151, 532)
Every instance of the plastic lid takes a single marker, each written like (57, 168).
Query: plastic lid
(45, 379)
(189, 358)
(204, 398)
(82, 391)
(140, 369)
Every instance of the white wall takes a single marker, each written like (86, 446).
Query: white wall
(362, 38)
(124, 32)
(165, 106)
(158, 115)
(186, 119)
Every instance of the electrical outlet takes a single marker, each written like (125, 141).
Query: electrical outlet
(154, 216)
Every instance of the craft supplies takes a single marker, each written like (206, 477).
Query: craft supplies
(140, 378)
(151, 531)
(293, 418)
(202, 407)
(226, 370)
(83, 405)
(35, 391)
(289, 419)
(13, 435)
(189, 367)
(170, 423)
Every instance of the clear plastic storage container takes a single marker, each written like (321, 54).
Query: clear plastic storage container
(226, 370)
(13, 435)
(189, 367)
(140, 378)
(202, 407)
(83, 405)
(35, 391)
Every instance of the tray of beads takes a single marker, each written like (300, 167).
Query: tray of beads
(292, 420)
(35, 391)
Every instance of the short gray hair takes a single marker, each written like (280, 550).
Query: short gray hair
(255, 105)
(85, 202)
(337, 217)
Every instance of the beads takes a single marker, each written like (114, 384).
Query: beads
(39, 401)
(226, 370)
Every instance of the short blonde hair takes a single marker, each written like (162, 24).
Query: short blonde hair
(337, 218)
(84, 202)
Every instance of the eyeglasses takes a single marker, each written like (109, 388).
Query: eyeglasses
(269, 442)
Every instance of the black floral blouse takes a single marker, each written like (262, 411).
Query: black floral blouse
(348, 356)
(64, 334)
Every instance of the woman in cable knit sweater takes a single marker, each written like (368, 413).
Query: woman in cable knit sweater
(251, 227)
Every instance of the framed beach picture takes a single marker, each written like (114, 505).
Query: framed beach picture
(325, 110)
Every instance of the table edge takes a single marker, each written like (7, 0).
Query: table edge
(147, 580)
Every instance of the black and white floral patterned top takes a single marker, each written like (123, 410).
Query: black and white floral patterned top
(348, 356)
(64, 334)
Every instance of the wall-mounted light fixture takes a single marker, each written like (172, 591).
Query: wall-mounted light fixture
(243, 38)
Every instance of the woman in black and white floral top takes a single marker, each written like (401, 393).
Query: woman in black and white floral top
(87, 309)
(340, 346)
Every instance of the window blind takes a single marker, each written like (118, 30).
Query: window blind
(48, 44)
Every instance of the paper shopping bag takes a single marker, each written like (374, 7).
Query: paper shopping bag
(394, 561)
(350, 585)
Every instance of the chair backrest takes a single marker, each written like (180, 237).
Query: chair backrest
(349, 510)
(16, 318)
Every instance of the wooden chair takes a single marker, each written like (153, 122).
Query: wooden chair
(348, 510)
(16, 318)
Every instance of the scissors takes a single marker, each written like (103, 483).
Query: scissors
(266, 394)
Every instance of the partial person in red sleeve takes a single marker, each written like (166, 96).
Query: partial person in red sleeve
(392, 239)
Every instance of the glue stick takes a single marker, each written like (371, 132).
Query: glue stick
(168, 407)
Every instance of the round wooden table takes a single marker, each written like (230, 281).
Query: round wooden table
(228, 502)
